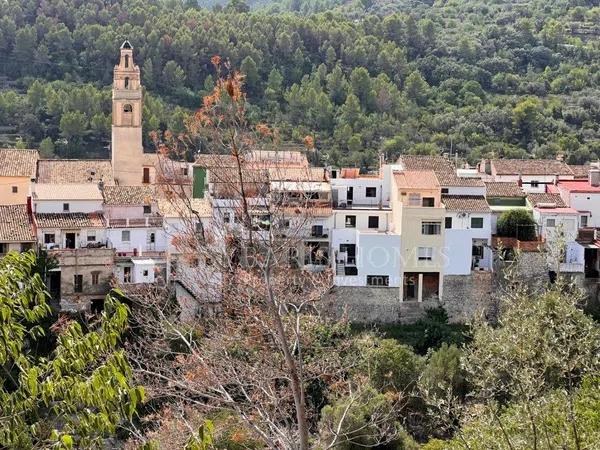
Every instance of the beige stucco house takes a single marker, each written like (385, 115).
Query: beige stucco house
(17, 169)
(418, 216)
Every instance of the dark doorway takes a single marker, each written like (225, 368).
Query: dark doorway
(411, 281)
(350, 249)
(54, 285)
(70, 240)
(591, 259)
(146, 178)
(349, 195)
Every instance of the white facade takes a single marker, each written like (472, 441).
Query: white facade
(467, 248)
(364, 191)
(61, 238)
(529, 183)
(587, 203)
(137, 241)
(67, 206)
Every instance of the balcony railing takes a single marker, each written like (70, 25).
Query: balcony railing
(361, 204)
(141, 222)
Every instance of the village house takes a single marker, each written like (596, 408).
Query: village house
(135, 231)
(17, 170)
(532, 175)
(17, 232)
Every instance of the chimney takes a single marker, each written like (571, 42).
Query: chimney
(594, 177)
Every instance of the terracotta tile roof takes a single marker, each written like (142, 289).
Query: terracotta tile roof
(69, 220)
(536, 199)
(529, 167)
(500, 189)
(350, 172)
(66, 192)
(15, 224)
(128, 195)
(416, 179)
(443, 168)
(181, 208)
(297, 174)
(209, 160)
(280, 157)
(18, 163)
(580, 171)
(417, 162)
(75, 171)
(580, 186)
(466, 203)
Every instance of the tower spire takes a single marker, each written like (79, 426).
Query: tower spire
(127, 149)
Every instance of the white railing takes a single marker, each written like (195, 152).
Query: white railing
(141, 222)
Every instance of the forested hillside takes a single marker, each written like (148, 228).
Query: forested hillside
(512, 78)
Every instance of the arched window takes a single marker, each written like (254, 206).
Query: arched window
(127, 83)
(127, 108)
(126, 61)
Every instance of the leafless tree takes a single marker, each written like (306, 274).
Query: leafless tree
(260, 348)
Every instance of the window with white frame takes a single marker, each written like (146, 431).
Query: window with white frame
(550, 223)
(584, 221)
(476, 222)
(91, 237)
(431, 228)
(125, 235)
(425, 253)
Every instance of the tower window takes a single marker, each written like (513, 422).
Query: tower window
(126, 82)
(126, 60)
(127, 108)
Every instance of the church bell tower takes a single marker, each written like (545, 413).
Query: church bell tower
(126, 144)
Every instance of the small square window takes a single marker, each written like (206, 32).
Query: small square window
(350, 221)
(125, 235)
(534, 183)
(431, 228)
(373, 221)
(551, 223)
(445, 190)
(49, 238)
(226, 217)
(147, 209)
(371, 192)
(65, 207)
(91, 238)
(476, 222)
(145, 273)
(15, 189)
(425, 253)
(448, 222)
(428, 202)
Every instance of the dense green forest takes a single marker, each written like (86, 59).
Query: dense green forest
(503, 78)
